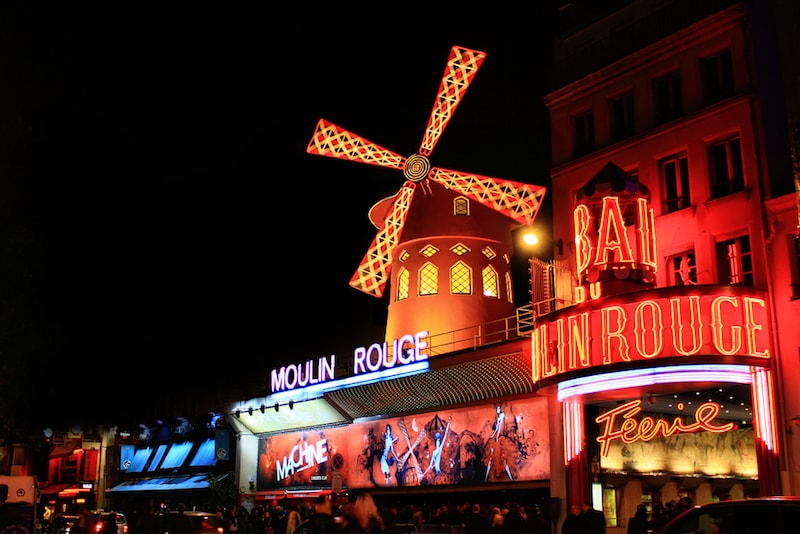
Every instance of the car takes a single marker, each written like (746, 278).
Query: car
(762, 515)
(198, 523)
(100, 517)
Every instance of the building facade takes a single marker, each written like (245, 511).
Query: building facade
(659, 364)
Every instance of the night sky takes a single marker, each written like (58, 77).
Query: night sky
(161, 220)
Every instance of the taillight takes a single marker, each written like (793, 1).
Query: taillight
(220, 530)
(125, 529)
(98, 527)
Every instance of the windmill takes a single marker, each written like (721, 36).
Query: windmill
(432, 205)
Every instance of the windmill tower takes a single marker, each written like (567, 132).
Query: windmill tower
(445, 237)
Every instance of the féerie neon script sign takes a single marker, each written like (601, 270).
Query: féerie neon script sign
(377, 357)
(620, 424)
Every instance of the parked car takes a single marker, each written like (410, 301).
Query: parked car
(764, 515)
(100, 517)
(62, 524)
(194, 523)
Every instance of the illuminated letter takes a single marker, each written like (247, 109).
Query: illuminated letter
(578, 328)
(647, 235)
(611, 235)
(616, 332)
(359, 355)
(542, 366)
(583, 243)
(753, 327)
(580, 294)
(419, 345)
(648, 323)
(717, 324)
(694, 326)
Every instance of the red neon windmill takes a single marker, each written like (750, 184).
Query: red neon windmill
(515, 200)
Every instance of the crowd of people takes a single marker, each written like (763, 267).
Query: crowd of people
(363, 515)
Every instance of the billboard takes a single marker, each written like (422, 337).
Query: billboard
(482, 444)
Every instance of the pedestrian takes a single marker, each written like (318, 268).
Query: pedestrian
(293, 518)
(85, 523)
(351, 522)
(321, 520)
(638, 523)
(593, 521)
(109, 525)
(572, 524)
(476, 521)
(658, 517)
(515, 521)
(537, 524)
(371, 520)
(232, 520)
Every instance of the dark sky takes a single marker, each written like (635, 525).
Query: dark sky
(163, 222)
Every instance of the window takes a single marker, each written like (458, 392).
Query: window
(735, 262)
(794, 265)
(429, 280)
(461, 206)
(717, 77)
(667, 98)
(460, 279)
(675, 179)
(490, 282)
(402, 284)
(725, 167)
(621, 117)
(509, 288)
(682, 269)
(584, 134)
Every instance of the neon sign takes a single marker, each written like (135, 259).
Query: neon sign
(672, 322)
(629, 430)
(612, 247)
(378, 357)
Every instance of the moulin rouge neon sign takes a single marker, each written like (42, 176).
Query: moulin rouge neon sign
(367, 361)
(621, 424)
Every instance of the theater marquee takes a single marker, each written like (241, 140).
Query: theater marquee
(684, 322)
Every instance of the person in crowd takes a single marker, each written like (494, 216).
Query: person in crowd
(182, 523)
(321, 520)
(593, 521)
(638, 523)
(572, 524)
(109, 525)
(497, 518)
(476, 521)
(658, 517)
(293, 518)
(418, 518)
(371, 520)
(537, 524)
(85, 522)
(232, 520)
(515, 521)
(351, 519)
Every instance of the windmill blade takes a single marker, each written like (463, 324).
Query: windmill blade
(373, 271)
(335, 142)
(516, 200)
(461, 68)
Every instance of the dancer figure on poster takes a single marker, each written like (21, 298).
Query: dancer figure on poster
(436, 455)
(389, 440)
(498, 423)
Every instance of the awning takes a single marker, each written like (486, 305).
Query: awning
(279, 495)
(52, 489)
(171, 483)
(66, 448)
